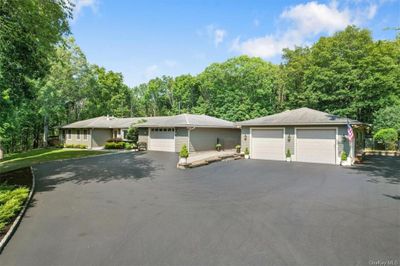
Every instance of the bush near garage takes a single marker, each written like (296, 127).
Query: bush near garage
(388, 137)
(76, 146)
(12, 199)
(115, 145)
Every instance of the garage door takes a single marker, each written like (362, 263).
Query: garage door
(267, 144)
(162, 139)
(316, 145)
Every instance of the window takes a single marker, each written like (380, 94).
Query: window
(125, 134)
(85, 134)
(78, 134)
(69, 133)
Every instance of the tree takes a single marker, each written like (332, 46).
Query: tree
(388, 117)
(387, 136)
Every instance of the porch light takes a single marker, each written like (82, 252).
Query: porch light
(245, 137)
(288, 138)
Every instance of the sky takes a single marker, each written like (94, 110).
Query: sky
(146, 39)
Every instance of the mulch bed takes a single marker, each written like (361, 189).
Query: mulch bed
(20, 177)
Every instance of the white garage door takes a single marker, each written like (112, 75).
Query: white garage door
(316, 145)
(267, 144)
(162, 139)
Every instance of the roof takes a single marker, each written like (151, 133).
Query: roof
(301, 116)
(183, 120)
(187, 120)
(104, 122)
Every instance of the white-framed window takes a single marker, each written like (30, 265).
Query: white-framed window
(85, 134)
(78, 134)
(69, 134)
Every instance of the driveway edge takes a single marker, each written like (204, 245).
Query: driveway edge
(17, 220)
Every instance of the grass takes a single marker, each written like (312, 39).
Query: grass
(26, 159)
(11, 200)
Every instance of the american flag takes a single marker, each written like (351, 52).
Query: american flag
(350, 134)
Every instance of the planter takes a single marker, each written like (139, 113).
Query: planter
(346, 163)
(182, 160)
(247, 156)
(238, 150)
(288, 159)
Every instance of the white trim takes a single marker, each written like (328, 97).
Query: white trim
(251, 139)
(337, 160)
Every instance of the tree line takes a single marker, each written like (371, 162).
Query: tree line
(46, 80)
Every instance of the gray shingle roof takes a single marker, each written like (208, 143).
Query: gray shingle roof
(183, 120)
(187, 120)
(104, 122)
(301, 116)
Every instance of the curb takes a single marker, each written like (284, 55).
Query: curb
(17, 220)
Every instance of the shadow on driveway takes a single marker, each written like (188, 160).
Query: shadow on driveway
(97, 169)
(381, 169)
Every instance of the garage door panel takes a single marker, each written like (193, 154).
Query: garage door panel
(316, 145)
(162, 141)
(267, 144)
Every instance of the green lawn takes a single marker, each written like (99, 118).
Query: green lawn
(24, 159)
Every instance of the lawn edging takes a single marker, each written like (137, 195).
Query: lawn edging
(18, 219)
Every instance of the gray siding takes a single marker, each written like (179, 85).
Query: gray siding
(100, 137)
(74, 137)
(343, 143)
(181, 138)
(203, 139)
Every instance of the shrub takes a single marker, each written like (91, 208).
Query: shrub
(75, 146)
(343, 156)
(218, 146)
(184, 153)
(387, 136)
(246, 151)
(288, 153)
(11, 200)
(116, 140)
(237, 147)
(109, 145)
(115, 145)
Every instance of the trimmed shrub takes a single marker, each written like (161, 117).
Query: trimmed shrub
(246, 151)
(288, 153)
(184, 153)
(343, 156)
(116, 140)
(237, 147)
(218, 146)
(115, 145)
(387, 136)
(75, 146)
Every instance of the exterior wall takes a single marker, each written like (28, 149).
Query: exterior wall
(181, 137)
(100, 137)
(143, 135)
(342, 142)
(74, 137)
(203, 139)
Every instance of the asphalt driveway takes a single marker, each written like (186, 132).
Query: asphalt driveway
(138, 209)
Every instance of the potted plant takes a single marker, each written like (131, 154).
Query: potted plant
(237, 148)
(246, 153)
(288, 156)
(344, 160)
(183, 154)
(218, 147)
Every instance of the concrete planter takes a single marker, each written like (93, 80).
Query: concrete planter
(288, 159)
(346, 163)
(182, 160)
(247, 156)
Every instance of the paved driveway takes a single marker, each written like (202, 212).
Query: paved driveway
(137, 209)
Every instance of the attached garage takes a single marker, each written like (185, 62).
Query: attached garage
(304, 135)
(161, 139)
(267, 144)
(316, 145)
